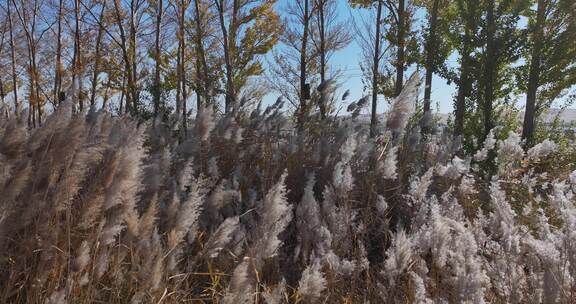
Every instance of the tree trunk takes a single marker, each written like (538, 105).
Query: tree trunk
(322, 53)
(127, 65)
(34, 63)
(76, 67)
(227, 41)
(36, 76)
(534, 75)
(133, 50)
(303, 71)
(463, 92)
(431, 48)
(178, 77)
(97, 56)
(2, 95)
(322, 36)
(32, 101)
(13, 59)
(376, 63)
(58, 69)
(182, 67)
(199, 88)
(157, 58)
(489, 69)
(199, 48)
(464, 83)
(37, 89)
(123, 93)
(400, 51)
(201, 56)
(31, 95)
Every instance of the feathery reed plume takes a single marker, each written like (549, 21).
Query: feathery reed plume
(276, 294)
(99, 209)
(390, 163)
(222, 236)
(312, 283)
(312, 236)
(542, 150)
(489, 144)
(275, 214)
(241, 289)
(404, 105)
(399, 256)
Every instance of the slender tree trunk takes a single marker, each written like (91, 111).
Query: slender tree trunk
(31, 103)
(465, 82)
(199, 49)
(182, 67)
(1, 49)
(178, 78)
(76, 73)
(322, 32)
(133, 49)
(97, 56)
(13, 60)
(31, 87)
(227, 41)
(303, 61)
(39, 104)
(463, 93)
(431, 48)
(201, 56)
(489, 69)
(36, 76)
(401, 48)
(126, 56)
(376, 63)
(321, 4)
(157, 57)
(123, 92)
(199, 89)
(74, 77)
(534, 75)
(2, 95)
(58, 68)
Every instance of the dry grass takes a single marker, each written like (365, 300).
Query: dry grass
(94, 209)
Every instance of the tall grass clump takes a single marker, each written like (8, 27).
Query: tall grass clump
(244, 209)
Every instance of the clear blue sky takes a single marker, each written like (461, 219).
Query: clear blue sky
(347, 60)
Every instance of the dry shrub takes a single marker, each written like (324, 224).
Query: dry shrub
(95, 208)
